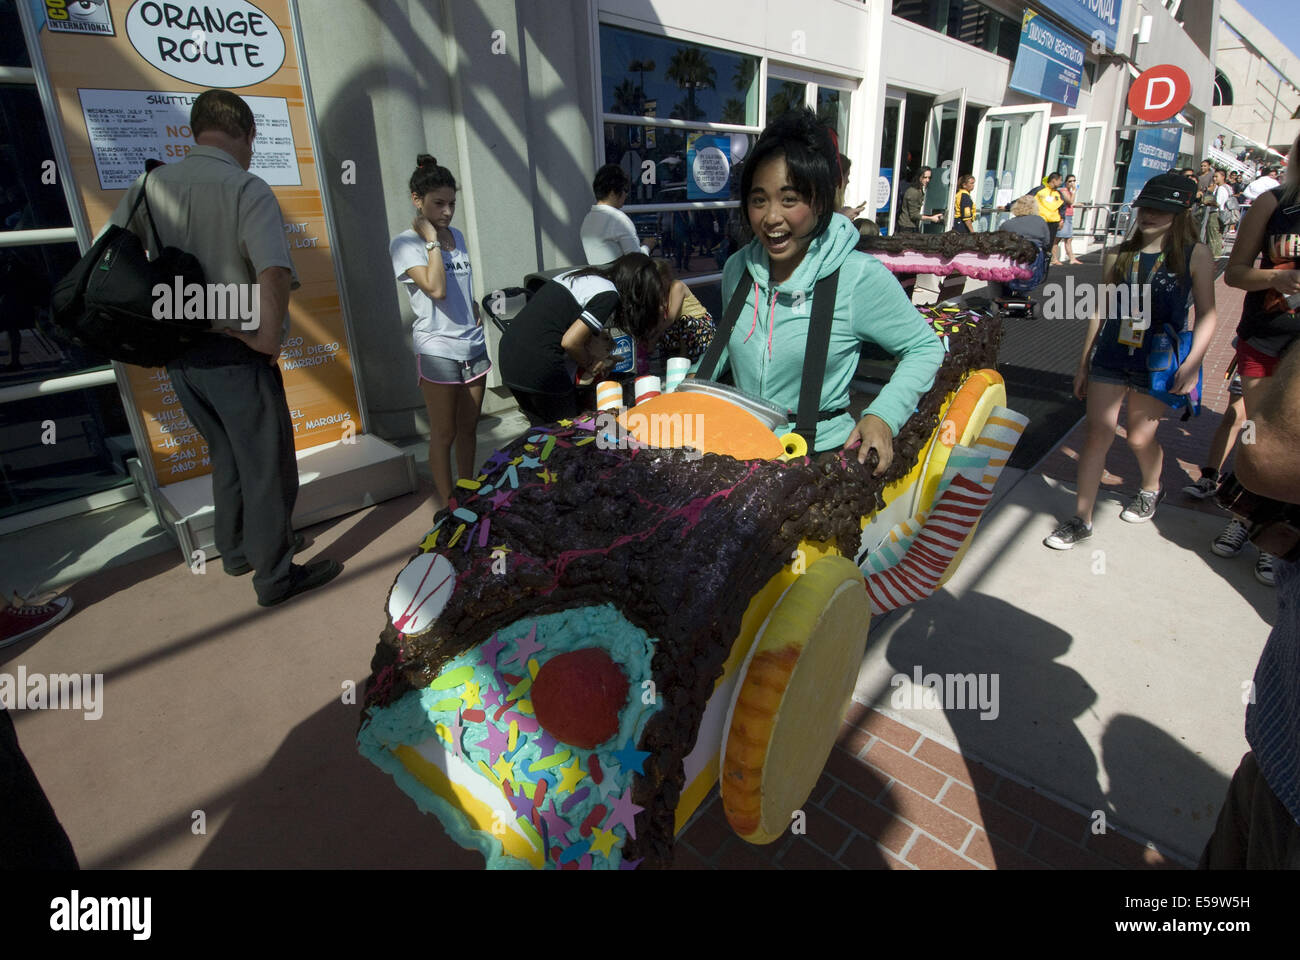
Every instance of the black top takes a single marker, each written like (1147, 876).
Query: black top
(1266, 323)
(530, 354)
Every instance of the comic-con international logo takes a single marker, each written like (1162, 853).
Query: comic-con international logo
(79, 16)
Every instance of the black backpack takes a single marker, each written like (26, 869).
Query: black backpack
(106, 302)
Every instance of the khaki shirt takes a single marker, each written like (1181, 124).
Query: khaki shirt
(210, 206)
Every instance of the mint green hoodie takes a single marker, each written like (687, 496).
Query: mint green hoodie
(869, 306)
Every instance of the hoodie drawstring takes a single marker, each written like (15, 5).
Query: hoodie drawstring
(754, 326)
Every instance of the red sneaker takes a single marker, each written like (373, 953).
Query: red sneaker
(19, 620)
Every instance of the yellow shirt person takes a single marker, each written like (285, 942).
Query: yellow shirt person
(1049, 199)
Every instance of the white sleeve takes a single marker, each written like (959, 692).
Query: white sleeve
(406, 254)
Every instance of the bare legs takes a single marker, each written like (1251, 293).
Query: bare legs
(1144, 413)
(1225, 435)
(1104, 400)
(453, 410)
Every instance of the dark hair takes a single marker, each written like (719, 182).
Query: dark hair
(641, 291)
(1182, 236)
(611, 178)
(922, 172)
(845, 164)
(1056, 174)
(429, 176)
(221, 110)
(811, 162)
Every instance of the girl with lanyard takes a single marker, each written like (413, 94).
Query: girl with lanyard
(788, 186)
(451, 358)
(1166, 263)
(1270, 324)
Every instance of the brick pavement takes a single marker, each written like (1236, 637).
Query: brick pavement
(892, 797)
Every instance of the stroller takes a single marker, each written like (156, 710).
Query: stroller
(1016, 296)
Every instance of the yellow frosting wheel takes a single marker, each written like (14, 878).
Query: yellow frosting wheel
(795, 691)
(795, 446)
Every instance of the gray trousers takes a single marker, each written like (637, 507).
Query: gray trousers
(235, 398)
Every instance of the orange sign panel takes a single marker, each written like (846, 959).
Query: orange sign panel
(124, 74)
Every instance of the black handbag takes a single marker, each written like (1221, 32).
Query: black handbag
(106, 303)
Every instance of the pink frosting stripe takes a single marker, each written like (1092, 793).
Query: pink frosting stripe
(977, 266)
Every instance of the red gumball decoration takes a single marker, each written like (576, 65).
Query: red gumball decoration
(577, 697)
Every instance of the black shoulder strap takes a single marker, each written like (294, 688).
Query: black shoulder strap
(814, 358)
(144, 198)
(708, 368)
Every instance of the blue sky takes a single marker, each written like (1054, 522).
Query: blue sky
(1280, 17)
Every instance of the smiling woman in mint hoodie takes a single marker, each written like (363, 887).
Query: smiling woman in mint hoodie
(788, 186)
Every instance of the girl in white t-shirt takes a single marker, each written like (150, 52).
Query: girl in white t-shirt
(450, 353)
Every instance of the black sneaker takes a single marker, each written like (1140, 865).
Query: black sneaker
(1202, 488)
(1231, 540)
(243, 566)
(1142, 507)
(1069, 533)
(307, 576)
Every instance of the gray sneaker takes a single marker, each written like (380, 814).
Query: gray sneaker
(1069, 533)
(1231, 540)
(1264, 572)
(1142, 507)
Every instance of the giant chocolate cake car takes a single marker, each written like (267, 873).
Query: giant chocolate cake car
(605, 622)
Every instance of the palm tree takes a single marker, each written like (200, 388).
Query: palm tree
(789, 96)
(690, 69)
(641, 67)
(743, 78)
(733, 111)
(627, 98)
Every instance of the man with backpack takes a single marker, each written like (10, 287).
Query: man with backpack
(230, 386)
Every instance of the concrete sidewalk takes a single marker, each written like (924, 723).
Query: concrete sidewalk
(227, 736)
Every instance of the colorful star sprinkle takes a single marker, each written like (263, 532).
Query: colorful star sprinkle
(454, 731)
(470, 695)
(571, 776)
(630, 758)
(504, 769)
(525, 647)
(555, 823)
(630, 864)
(490, 650)
(623, 811)
(494, 742)
(602, 841)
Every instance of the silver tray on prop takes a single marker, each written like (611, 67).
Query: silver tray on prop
(771, 415)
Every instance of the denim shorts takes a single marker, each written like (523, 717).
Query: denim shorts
(445, 370)
(1139, 380)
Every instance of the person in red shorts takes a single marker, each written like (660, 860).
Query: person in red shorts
(1270, 323)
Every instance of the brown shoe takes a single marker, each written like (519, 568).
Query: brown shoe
(304, 577)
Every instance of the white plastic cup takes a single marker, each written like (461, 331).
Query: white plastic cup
(678, 367)
(609, 395)
(647, 387)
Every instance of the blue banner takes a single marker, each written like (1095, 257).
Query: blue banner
(1155, 149)
(708, 166)
(1049, 64)
(1089, 17)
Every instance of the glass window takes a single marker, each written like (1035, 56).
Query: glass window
(27, 277)
(966, 20)
(13, 51)
(30, 196)
(784, 94)
(833, 110)
(93, 443)
(693, 242)
(667, 150)
(645, 75)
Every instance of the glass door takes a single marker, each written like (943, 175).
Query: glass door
(64, 431)
(942, 152)
(1009, 153)
(891, 146)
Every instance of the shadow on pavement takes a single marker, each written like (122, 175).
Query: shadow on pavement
(319, 804)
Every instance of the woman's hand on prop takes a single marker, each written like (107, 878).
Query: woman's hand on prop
(1185, 379)
(872, 433)
(602, 368)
